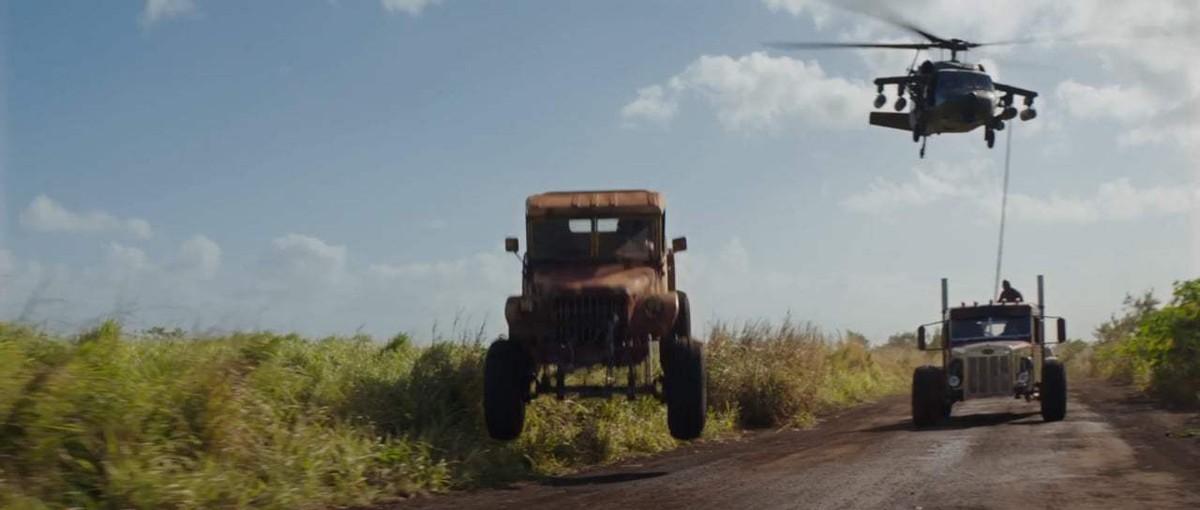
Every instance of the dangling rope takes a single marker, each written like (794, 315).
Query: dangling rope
(1003, 206)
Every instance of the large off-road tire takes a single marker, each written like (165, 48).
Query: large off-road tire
(506, 372)
(683, 319)
(929, 405)
(686, 395)
(681, 329)
(1054, 391)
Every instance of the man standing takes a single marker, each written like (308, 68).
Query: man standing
(1009, 294)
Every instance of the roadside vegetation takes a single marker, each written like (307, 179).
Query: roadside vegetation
(1153, 346)
(162, 420)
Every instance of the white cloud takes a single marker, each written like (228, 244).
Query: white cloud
(818, 10)
(1154, 42)
(156, 11)
(719, 280)
(308, 258)
(754, 92)
(126, 259)
(975, 187)
(410, 7)
(8, 263)
(199, 256)
(1113, 101)
(305, 284)
(476, 284)
(651, 105)
(46, 215)
(1179, 125)
(928, 186)
(1114, 200)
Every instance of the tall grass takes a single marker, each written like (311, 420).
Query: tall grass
(1156, 348)
(278, 421)
(784, 375)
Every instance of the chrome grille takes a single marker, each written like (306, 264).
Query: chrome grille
(586, 319)
(989, 375)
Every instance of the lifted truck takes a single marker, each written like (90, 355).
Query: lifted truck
(990, 350)
(597, 288)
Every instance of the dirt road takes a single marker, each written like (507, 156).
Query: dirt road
(1114, 450)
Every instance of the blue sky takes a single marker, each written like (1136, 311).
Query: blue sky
(324, 166)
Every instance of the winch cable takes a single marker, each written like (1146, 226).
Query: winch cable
(1003, 206)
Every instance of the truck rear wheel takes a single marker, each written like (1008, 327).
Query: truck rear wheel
(505, 383)
(1054, 391)
(687, 402)
(929, 404)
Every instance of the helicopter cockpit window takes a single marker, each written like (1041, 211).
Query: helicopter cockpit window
(952, 84)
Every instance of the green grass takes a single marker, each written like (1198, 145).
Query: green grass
(1156, 348)
(109, 420)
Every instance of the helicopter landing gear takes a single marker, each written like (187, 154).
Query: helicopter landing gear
(917, 132)
(990, 137)
(923, 142)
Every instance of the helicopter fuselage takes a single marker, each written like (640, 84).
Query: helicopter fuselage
(957, 102)
(950, 97)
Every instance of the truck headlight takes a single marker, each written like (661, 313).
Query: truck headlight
(954, 381)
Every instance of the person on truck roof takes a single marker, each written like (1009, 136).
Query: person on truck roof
(1009, 294)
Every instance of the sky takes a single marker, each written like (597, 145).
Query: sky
(332, 167)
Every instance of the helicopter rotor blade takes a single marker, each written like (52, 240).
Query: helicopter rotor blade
(836, 45)
(888, 16)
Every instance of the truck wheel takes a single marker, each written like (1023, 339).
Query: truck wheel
(1054, 391)
(928, 396)
(687, 402)
(682, 328)
(505, 382)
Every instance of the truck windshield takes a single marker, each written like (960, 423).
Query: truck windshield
(630, 238)
(991, 328)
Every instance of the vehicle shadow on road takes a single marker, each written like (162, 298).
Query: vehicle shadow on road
(575, 481)
(960, 422)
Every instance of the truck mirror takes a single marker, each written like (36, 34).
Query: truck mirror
(921, 338)
(679, 244)
(512, 245)
(1062, 330)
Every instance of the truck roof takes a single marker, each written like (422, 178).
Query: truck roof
(625, 201)
(993, 310)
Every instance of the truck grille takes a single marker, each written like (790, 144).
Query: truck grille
(586, 319)
(989, 375)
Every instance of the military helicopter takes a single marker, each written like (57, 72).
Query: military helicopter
(948, 96)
